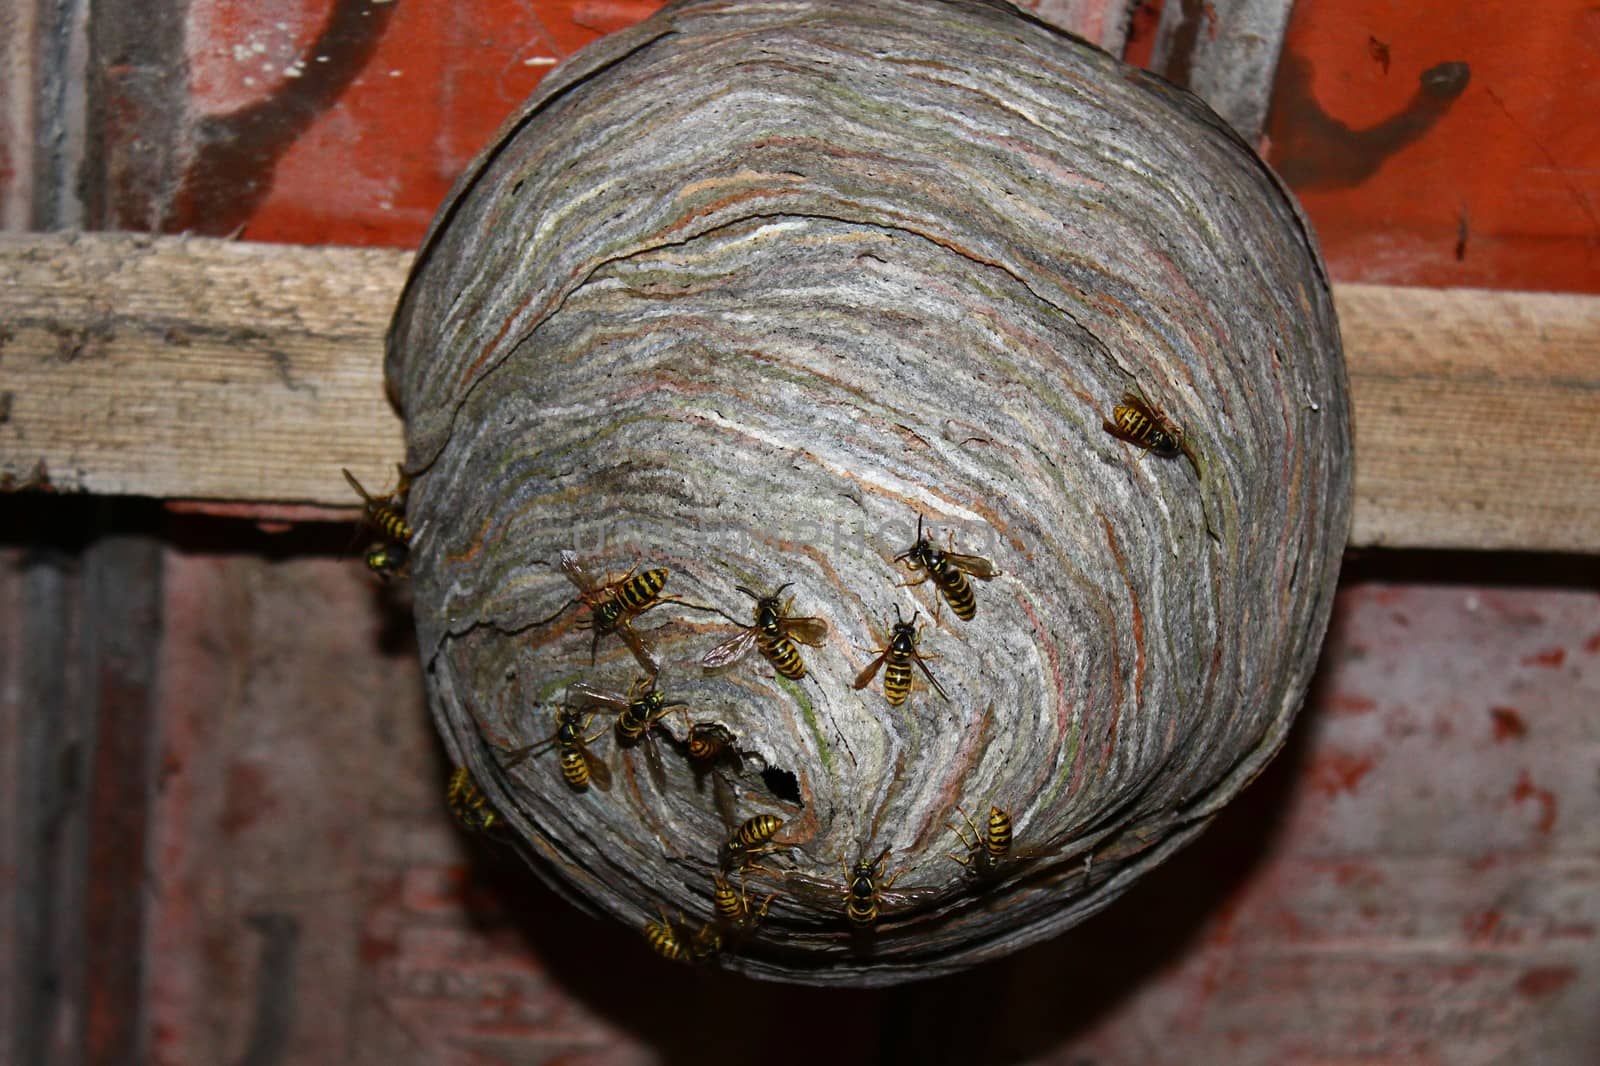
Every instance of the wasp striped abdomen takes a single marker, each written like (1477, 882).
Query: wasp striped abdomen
(949, 570)
(997, 835)
(757, 831)
(664, 940)
(780, 651)
(579, 766)
(957, 592)
(574, 768)
(986, 849)
(640, 591)
(897, 681)
(896, 660)
(1135, 421)
(707, 741)
(468, 803)
(752, 838)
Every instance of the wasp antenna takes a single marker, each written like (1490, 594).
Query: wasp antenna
(748, 592)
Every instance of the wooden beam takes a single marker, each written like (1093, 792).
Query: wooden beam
(196, 369)
(249, 373)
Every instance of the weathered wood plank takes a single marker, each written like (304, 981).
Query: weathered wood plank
(199, 369)
(1477, 417)
(203, 369)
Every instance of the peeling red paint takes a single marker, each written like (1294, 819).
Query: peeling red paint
(1508, 724)
(1337, 771)
(1548, 657)
(1546, 799)
(247, 799)
(1352, 705)
(1481, 925)
(1360, 874)
(1545, 981)
(1592, 645)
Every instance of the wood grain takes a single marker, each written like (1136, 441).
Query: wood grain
(199, 369)
(204, 369)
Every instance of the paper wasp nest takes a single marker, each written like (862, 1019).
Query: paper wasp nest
(741, 293)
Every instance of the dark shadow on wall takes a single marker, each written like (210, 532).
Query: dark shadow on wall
(1313, 150)
(235, 155)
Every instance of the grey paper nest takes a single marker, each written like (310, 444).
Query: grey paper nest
(741, 293)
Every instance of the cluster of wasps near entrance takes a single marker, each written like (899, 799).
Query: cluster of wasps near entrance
(866, 892)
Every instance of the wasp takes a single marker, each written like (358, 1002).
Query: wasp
(899, 654)
(985, 850)
(733, 906)
(468, 803)
(752, 838)
(669, 940)
(710, 743)
(1144, 425)
(665, 939)
(949, 570)
(637, 714)
(774, 632)
(865, 890)
(385, 516)
(387, 560)
(614, 604)
(579, 766)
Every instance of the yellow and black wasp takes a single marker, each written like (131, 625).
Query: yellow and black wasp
(637, 715)
(387, 560)
(613, 605)
(713, 751)
(732, 905)
(385, 514)
(1147, 427)
(948, 570)
(579, 766)
(897, 657)
(711, 743)
(865, 892)
(671, 940)
(985, 850)
(468, 803)
(774, 632)
(752, 838)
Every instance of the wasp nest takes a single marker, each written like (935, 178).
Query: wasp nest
(739, 298)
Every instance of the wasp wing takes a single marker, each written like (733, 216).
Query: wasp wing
(599, 772)
(902, 899)
(517, 756)
(814, 891)
(731, 650)
(348, 476)
(589, 696)
(976, 565)
(641, 650)
(929, 675)
(864, 678)
(652, 761)
(575, 572)
(812, 631)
